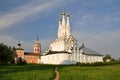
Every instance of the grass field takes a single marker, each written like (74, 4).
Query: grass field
(46, 72)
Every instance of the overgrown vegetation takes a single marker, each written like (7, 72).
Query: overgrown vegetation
(68, 72)
(20, 61)
(7, 53)
(99, 63)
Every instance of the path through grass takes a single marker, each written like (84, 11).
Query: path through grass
(46, 72)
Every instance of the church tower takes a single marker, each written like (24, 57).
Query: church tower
(64, 40)
(20, 51)
(37, 47)
(64, 26)
(68, 29)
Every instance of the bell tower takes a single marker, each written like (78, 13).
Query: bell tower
(37, 47)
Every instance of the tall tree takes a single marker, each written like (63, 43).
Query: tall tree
(7, 53)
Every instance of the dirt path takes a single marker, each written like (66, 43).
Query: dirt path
(57, 76)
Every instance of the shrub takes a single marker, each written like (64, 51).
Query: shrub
(21, 61)
(99, 63)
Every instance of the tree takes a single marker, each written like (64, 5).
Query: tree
(107, 56)
(7, 53)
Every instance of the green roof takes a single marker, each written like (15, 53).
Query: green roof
(19, 49)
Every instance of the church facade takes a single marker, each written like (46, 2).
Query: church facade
(29, 57)
(65, 48)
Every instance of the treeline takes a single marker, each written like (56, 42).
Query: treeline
(7, 54)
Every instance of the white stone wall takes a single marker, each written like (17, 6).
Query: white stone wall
(73, 58)
(82, 58)
(61, 58)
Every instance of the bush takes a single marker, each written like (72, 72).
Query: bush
(99, 63)
(21, 61)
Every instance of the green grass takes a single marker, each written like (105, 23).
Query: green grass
(46, 72)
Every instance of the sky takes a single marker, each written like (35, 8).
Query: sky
(94, 22)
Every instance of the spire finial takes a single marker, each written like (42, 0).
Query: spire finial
(63, 12)
(19, 45)
(59, 21)
(67, 14)
(68, 19)
(83, 44)
(63, 17)
(37, 39)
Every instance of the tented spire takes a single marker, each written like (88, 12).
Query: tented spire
(64, 29)
(59, 21)
(68, 29)
(68, 19)
(63, 17)
(37, 40)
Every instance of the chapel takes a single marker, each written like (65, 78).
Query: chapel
(29, 57)
(65, 49)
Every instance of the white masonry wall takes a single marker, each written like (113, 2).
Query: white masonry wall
(61, 58)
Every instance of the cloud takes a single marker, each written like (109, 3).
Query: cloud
(11, 41)
(96, 23)
(99, 32)
(20, 13)
(8, 40)
(27, 46)
(105, 43)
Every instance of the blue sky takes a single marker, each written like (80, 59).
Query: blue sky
(94, 22)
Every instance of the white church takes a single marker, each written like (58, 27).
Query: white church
(66, 50)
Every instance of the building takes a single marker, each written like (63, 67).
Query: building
(66, 50)
(29, 57)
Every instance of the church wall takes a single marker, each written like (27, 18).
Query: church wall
(82, 58)
(61, 58)
(31, 59)
(27, 58)
(70, 58)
